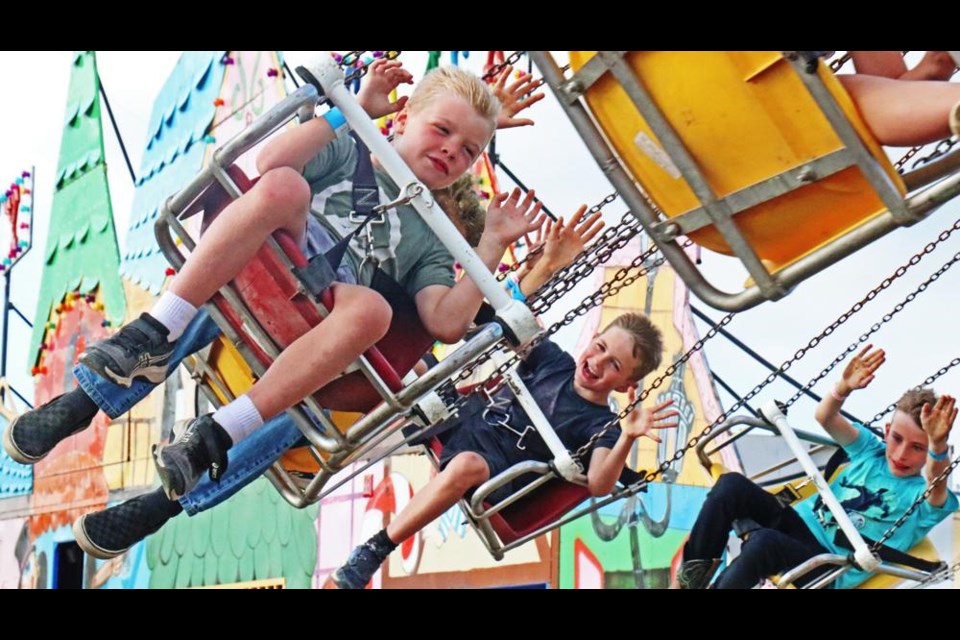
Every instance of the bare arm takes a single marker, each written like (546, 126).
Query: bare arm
(297, 146)
(446, 312)
(561, 245)
(857, 375)
(937, 421)
(607, 464)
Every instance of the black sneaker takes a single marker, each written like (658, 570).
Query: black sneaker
(696, 574)
(139, 350)
(107, 534)
(32, 435)
(201, 446)
(360, 566)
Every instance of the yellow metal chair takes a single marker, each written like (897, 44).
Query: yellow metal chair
(755, 154)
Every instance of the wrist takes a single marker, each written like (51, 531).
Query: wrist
(840, 391)
(938, 451)
(337, 121)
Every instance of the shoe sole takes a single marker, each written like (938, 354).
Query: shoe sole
(170, 477)
(88, 546)
(13, 450)
(24, 458)
(155, 374)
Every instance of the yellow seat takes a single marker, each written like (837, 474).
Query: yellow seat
(744, 117)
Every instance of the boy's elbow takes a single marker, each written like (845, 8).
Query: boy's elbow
(598, 489)
(449, 334)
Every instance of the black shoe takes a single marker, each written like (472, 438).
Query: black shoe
(32, 435)
(200, 447)
(696, 574)
(139, 350)
(108, 533)
(360, 566)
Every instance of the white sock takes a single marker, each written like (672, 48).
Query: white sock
(174, 313)
(240, 418)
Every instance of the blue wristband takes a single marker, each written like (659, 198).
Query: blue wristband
(937, 456)
(515, 290)
(337, 122)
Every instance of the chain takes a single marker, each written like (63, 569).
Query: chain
(876, 326)
(558, 286)
(530, 254)
(351, 58)
(926, 383)
(659, 380)
(942, 148)
(495, 70)
(941, 477)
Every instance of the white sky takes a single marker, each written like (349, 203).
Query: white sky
(550, 158)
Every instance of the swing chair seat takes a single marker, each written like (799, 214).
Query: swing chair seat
(744, 117)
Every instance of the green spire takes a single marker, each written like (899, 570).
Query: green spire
(81, 251)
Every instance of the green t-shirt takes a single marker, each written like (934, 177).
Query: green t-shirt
(403, 245)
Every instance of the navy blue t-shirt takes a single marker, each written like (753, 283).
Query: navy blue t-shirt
(548, 373)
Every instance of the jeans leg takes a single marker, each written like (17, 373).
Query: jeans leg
(248, 459)
(115, 400)
(731, 498)
(765, 553)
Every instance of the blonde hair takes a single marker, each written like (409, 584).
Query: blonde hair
(647, 341)
(461, 203)
(460, 83)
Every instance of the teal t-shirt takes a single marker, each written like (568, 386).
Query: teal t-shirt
(403, 245)
(875, 499)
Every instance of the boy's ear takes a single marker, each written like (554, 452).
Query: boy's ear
(400, 121)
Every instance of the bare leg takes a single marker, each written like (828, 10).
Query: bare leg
(466, 470)
(903, 113)
(280, 200)
(360, 317)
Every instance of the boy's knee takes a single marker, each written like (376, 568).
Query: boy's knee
(730, 483)
(467, 470)
(370, 312)
(284, 192)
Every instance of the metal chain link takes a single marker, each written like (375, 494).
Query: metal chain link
(557, 287)
(941, 477)
(659, 380)
(623, 278)
(509, 61)
(597, 207)
(926, 383)
(887, 317)
(943, 147)
(351, 58)
(800, 353)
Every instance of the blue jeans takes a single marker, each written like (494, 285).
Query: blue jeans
(782, 542)
(248, 459)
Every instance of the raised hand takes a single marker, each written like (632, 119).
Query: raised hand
(382, 78)
(515, 97)
(937, 421)
(564, 242)
(509, 217)
(859, 372)
(641, 422)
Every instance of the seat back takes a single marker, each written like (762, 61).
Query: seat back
(744, 117)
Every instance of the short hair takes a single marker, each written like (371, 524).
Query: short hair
(460, 83)
(911, 402)
(461, 203)
(647, 341)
